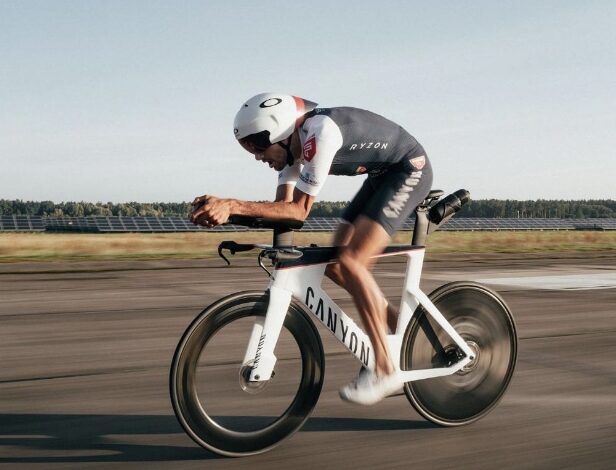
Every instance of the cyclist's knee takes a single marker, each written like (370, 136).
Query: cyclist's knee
(349, 264)
(334, 273)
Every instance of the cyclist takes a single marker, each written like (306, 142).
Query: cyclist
(305, 144)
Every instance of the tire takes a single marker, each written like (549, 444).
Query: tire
(211, 396)
(483, 319)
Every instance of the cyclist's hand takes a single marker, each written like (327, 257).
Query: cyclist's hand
(210, 211)
(197, 203)
(199, 200)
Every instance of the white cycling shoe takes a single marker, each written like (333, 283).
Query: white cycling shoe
(369, 388)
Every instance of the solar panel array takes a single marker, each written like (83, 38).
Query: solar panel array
(313, 224)
(475, 223)
(126, 224)
(22, 223)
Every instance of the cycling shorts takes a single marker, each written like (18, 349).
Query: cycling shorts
(391, 197)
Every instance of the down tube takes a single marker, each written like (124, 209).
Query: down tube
(305, 284)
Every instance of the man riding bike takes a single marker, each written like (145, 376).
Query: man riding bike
(305, 144)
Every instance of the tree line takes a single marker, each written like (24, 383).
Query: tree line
(490, 208)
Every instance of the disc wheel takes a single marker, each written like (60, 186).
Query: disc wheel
(483, 319)
(212, 396)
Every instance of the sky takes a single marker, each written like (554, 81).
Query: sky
(134, 100)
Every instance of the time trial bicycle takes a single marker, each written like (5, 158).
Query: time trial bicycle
(249, 369)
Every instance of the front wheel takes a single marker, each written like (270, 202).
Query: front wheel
(483, 319)
(214, 401)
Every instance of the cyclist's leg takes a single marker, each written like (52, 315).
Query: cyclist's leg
(342, 237)
(411, 189)
(345, 230)
(396, 194)
(343, 234)
(369, 239)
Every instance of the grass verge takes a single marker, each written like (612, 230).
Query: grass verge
(16, 247)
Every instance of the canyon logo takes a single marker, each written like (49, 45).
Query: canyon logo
(333, 320)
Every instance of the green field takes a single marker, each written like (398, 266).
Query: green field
(16, 247)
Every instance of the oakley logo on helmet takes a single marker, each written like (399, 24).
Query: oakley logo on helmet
(236, 130)
(270, 102)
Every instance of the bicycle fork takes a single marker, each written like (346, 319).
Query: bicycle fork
(301, 282)
(265, 333)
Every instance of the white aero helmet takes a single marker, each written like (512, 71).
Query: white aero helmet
(268, 118)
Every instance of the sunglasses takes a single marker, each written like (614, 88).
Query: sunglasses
(256, 142)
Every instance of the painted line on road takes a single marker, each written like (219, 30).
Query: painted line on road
(604, 280)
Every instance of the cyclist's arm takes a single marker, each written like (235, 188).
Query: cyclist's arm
(284, 193)
(297, 208)
(210, 210)
(287, 179)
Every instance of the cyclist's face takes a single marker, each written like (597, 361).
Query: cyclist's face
(275, 156)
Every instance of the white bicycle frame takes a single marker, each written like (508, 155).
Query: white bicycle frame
(304, 283)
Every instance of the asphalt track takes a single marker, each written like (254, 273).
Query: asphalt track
(85, 350)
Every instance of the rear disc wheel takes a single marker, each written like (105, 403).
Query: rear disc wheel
(484, 321)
